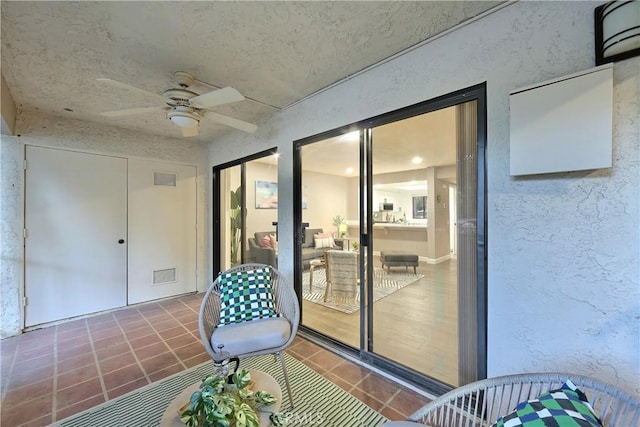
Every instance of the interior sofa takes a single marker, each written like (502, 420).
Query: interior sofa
(261, 254)
(269, 256)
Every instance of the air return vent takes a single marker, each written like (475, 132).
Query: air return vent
(167, 275)
(164, 179)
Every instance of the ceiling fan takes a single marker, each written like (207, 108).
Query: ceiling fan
(184, 107)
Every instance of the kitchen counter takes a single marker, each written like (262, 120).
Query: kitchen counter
(399, 226)
(393, 236)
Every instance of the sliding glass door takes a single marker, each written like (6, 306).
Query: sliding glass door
(245, 211)
(400, 192)
(329, 207)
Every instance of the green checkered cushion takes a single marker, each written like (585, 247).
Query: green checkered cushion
(566, 407)
(246, 295)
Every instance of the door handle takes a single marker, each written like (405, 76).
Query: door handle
(121, 241)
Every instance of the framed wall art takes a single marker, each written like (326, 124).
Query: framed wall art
(266, 195)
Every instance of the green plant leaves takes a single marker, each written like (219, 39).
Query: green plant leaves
(278, 419)
(246, 416)
(217, 404)
(241, 378)
(236, 198)
(235, 201)
(264, 398)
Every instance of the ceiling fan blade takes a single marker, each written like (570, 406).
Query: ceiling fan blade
(230, 121)
(132, 111)
(217, 97)
(191, 131)
(129, 87)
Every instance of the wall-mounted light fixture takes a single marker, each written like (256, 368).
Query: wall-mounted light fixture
(617, 31)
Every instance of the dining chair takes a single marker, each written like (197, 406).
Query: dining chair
(343, 279)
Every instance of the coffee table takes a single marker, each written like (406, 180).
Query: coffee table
(262, 381)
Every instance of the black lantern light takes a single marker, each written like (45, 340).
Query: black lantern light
(617, 31)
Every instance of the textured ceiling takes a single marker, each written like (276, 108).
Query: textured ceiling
(275, 53)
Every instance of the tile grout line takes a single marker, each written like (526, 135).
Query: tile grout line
(95, 360)
(135, 356)
(386, 404)
(181, 324)
(162, 340)
(5, 384)
(54, 391)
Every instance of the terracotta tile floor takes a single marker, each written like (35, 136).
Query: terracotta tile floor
(51, 373)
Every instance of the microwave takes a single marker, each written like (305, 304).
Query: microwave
(386, 206)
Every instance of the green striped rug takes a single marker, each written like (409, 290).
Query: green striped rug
(318, 401)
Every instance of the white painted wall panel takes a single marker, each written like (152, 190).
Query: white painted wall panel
(563, 125)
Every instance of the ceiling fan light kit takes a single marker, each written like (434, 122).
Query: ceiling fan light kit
(184, 118)
(184, 107)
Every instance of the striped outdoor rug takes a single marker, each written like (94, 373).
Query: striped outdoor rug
(318, 401)
(384, 285)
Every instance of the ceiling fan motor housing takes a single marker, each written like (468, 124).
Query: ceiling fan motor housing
(183, 78)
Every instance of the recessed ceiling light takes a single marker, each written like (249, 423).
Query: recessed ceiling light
(416, 160)
(348, 171)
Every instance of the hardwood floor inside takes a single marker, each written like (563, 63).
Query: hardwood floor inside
(416, 326)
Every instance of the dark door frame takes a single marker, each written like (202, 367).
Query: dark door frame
(216, 246)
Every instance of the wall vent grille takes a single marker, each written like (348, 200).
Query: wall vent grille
(167, 275)
(164, 179)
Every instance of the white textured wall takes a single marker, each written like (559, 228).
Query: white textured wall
(563, 249)
(11, 216)
(43, 130)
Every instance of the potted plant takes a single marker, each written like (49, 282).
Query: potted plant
(355, 246)
(236, 224)
(337, 222)
(221, 404)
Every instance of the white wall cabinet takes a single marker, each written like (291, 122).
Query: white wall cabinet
(563, 125)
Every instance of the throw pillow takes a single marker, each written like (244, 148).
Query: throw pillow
(266, 241)
(323, 240)
(246, 295)
(274, 242)
(565, 407)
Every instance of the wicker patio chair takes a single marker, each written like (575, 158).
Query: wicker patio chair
(255, 337)
(481, 403)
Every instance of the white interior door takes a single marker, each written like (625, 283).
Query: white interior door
(75, 216)
(162, 230)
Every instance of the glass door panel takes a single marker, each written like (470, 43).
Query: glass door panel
(410, 190)
(245, 212)
(415, 321)
(330, 197)
(262, 210)
(231, 204)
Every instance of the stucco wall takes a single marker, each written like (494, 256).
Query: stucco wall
(563, 249)
(50, 131)
(11, 215)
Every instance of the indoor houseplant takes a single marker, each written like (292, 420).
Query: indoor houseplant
(236, 224)
(219, 403)
(337, 222)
